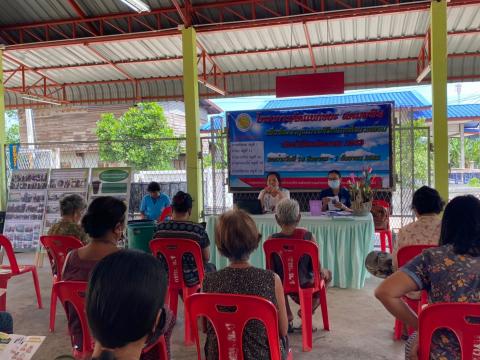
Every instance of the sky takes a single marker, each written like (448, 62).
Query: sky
(469, 94)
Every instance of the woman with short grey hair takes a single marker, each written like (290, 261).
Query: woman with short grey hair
(287, 214)
(71, 209)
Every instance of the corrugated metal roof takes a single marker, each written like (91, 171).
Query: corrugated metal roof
(368, 27)
(161, 47)
(56, 56)
(147, 70)
(97, 73)
(461, 111)
(400, 98)
(261, 38)
(30, 11)
(365, 64)
(95, 8)
(355, 78)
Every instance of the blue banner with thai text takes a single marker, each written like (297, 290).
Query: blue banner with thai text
(303, 145)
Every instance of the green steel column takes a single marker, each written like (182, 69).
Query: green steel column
(3, 185)
(192, 119)
(438, 27)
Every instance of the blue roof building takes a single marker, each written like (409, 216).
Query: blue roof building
(459, 113)
(407, 99)
(468, 114)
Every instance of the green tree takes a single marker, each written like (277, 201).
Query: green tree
(411, 153)
(137, 138)
(13, 134)
(472, 151)
(12, 128)
(219, 148)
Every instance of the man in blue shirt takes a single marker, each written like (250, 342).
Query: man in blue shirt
(153, 204)
(335, 190)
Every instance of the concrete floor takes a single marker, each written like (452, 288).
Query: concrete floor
(360, 327)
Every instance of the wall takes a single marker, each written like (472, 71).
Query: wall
(78, 123)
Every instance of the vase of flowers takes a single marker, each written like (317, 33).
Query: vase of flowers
(361, 193)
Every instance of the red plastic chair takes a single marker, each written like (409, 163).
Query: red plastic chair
(173, 250)
(452, 316)
(166, 213)
(156, 351)
(229, 326)
(384, 234)
(404, 255)
(9, 271)
(290, 251)
(73, 293)
(57, 249)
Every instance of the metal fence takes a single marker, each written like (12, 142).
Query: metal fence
(411, 162)
(149, 156)
(214, 164)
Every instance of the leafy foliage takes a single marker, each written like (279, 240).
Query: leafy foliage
(474, 182)
(411, 153)
(137, 138)
(13, 134)
(472, 151)
(219, 150)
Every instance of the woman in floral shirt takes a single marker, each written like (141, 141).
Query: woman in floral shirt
(449, 273)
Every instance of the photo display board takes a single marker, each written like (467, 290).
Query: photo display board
(303, 145)
(26, 208)
(63, 182)
(110, 182)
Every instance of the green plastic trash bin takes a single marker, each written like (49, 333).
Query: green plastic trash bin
(140, 232)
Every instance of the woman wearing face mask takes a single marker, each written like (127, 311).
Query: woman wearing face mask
(335, 195)
(104, 222)
(273, 193)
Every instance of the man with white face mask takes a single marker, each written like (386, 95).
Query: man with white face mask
(335, 197)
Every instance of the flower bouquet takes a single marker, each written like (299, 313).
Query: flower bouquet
(361, 194)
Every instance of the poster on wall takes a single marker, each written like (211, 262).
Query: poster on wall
(303, 145)
(110, 182)
(26, 208)
(63, 182)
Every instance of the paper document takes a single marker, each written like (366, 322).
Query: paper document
(19, 347)
(331, 203)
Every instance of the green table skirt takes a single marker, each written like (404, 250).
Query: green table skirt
(343, 244)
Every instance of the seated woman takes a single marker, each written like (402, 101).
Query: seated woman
(124, 303)
(273, 193)
(180, 227)
(335, 197)
(449, 273)
(236, 237)
(71, 209)
(288, 217)
(427, 206)
(104, 222)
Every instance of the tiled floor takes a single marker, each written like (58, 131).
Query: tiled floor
(360, 327)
